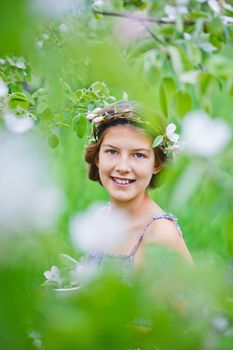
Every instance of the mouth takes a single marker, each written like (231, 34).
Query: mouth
(122, 182)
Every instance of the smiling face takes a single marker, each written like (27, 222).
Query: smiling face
(126, 162)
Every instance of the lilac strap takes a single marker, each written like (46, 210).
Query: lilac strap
(167, 216)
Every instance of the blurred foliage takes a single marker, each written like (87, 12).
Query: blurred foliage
(61, 61)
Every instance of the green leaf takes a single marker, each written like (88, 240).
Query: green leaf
(79, 94)
(204, 80)
(142, 46)
(41, 106)
(216, 27)
(176, 60)
(80, 125)
(183, 103)
(70, 95)
(215, 40)
(99, 89)
(53, 141)
(158, 140)
(62, 124)
(163, 100)
(18, 99)
(167, 93)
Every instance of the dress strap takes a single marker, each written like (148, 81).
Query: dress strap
(167, 216)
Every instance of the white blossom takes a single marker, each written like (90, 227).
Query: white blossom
(98, 3)
(170, 132)
(189, 77)
(207, 47)
(54, 8)
(18, 125)
(39, 43)
(45, 36)
(187, 36)
(53, 275)
(28, 200)
(205, 136)
(20, 63)
(99, 228)
(129, 31)
(83, 272)
(3, 89)
(63, 28)
(2, 60)
(220, 323)
(36, 337)
(174, 11)
(227, 19)
(125, 96)
(214, 5)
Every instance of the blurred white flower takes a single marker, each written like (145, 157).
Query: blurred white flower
(98, 3)
(125, 96)
(39, 43)
(97, 120)
(18, 125)
(63, 28)
(227, 7)
(20, 63)
(207, 47)
(36, 337)
(205, 136)
(176, 147)
(187, 36)
(214, 5)
(45, 36)
(53, 275)
(182, 2)
(189, 77)
(220, 323)
(3, 89)
(174, 11)
(227, 19)
(129, 30)
(99, 228)
(170, 132)
(83, 272)
(91, 116)
(28, 202)
(54, 8)
(2, 60)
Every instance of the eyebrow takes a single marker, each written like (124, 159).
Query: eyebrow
(134, 150)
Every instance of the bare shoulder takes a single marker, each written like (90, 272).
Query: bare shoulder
(163, 232)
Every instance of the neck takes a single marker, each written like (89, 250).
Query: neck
(137, 207)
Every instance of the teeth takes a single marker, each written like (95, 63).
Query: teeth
(123, 182)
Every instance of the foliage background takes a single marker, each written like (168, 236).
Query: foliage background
(61, 61)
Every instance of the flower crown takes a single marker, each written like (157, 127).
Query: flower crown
(124, 112)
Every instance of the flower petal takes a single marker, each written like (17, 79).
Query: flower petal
(170, 129)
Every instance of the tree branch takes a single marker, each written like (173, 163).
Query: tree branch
(152, 34)
(139, 19)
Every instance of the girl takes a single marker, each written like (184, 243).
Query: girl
(124, 160)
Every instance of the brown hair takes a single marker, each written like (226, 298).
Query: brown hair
(92, 150)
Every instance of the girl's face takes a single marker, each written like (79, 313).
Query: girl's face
(126, 162)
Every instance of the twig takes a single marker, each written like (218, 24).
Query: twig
(152, 34)
(140, 19)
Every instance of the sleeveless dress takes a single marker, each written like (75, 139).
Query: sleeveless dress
(124, 262)
(124, 265)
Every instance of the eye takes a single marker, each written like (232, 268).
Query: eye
(139, 155)
(111, 151)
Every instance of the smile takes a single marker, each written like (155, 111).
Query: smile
(120, 181)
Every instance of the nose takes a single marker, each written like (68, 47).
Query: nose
(123, 166)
